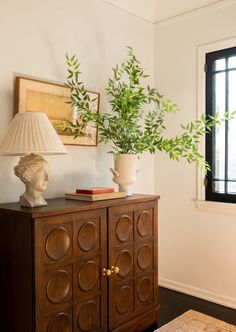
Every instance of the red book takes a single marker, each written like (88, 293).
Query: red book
(95, 190)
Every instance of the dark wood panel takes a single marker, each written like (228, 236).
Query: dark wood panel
(57, 322)
(70, 252)
(87, 277)
(145, 293)
(54, 289)
(133, 249)
(89, 232)
(57, 206)
(17, 274)
(144, 256)
(145, 226)
(124, 228)
(89, 316)
(90, 287)
(141, 323)
(121, 303)
(57, 243)
(53, 258)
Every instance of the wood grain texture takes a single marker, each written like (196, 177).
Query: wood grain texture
(53, 259)
(17, 274)
(142, 322)
(57, 205)
(132, 237)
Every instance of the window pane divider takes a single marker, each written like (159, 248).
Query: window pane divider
(202, 51)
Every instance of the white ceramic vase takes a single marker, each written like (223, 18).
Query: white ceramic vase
(125, 171)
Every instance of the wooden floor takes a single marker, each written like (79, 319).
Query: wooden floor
(173, 304)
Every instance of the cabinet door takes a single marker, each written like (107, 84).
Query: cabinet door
(133, 249)
(70, 253)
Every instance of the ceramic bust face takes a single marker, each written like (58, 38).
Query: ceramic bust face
(39, 179)
(33, 172)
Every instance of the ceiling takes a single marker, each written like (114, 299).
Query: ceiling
(159, 10)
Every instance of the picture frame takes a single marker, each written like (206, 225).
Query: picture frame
(33, 95)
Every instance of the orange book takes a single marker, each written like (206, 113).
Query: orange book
(95, 190)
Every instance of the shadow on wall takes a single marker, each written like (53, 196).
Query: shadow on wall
(11, 186)
(81, 167)
(58, 185)
(7, 105)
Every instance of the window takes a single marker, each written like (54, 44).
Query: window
(221, 143)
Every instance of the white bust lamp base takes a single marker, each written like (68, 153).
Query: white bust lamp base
(32, 132)
(32, 170)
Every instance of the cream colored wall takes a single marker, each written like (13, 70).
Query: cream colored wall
(196, 249)
(34, 38)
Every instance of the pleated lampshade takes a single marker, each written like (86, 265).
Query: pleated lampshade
(31, 132)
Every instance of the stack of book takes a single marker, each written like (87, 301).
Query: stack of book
(94, 194)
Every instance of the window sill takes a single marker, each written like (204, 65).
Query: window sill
(228, 209)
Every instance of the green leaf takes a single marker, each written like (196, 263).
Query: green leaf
(127, 126)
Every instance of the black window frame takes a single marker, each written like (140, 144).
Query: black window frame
(210, 194)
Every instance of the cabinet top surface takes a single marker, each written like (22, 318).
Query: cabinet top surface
(61, 205)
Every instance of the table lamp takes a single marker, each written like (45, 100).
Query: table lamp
(31, 135)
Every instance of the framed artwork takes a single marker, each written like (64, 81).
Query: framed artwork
(32, 95)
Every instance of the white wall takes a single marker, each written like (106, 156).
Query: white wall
(196, 249)
(34, 38)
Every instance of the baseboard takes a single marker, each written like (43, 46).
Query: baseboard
(198, 292)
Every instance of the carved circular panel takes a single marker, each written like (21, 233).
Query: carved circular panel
(124, 262)
(88, 316)
(87, 236)
(61, 323)
(58, 286)
(124, 228)
(145, 289)
(144, 224)
(144, 257)
(88, 276)
(57, 243)
(123, 299)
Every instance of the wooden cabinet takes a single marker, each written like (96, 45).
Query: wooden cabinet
(77, 266)
(70, 252)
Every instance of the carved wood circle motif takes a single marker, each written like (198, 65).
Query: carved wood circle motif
(57, 243)
(145, 289)
(144, 224)
(88, 276)
(58, 286)
(87, 236)
(124, 228)
(123, 299)
(144, 257)
(124, 262)
(88, 316)
(61, 323)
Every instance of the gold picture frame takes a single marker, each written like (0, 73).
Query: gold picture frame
(33, 95)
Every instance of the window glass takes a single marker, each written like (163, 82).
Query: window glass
(219, 132)
(232, 126)
(232, 188)
(220, 64)
(221, 143)
(219, 186)
(232, 62)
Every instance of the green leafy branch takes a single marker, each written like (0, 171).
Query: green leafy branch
(128, 127)
(79, 99)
